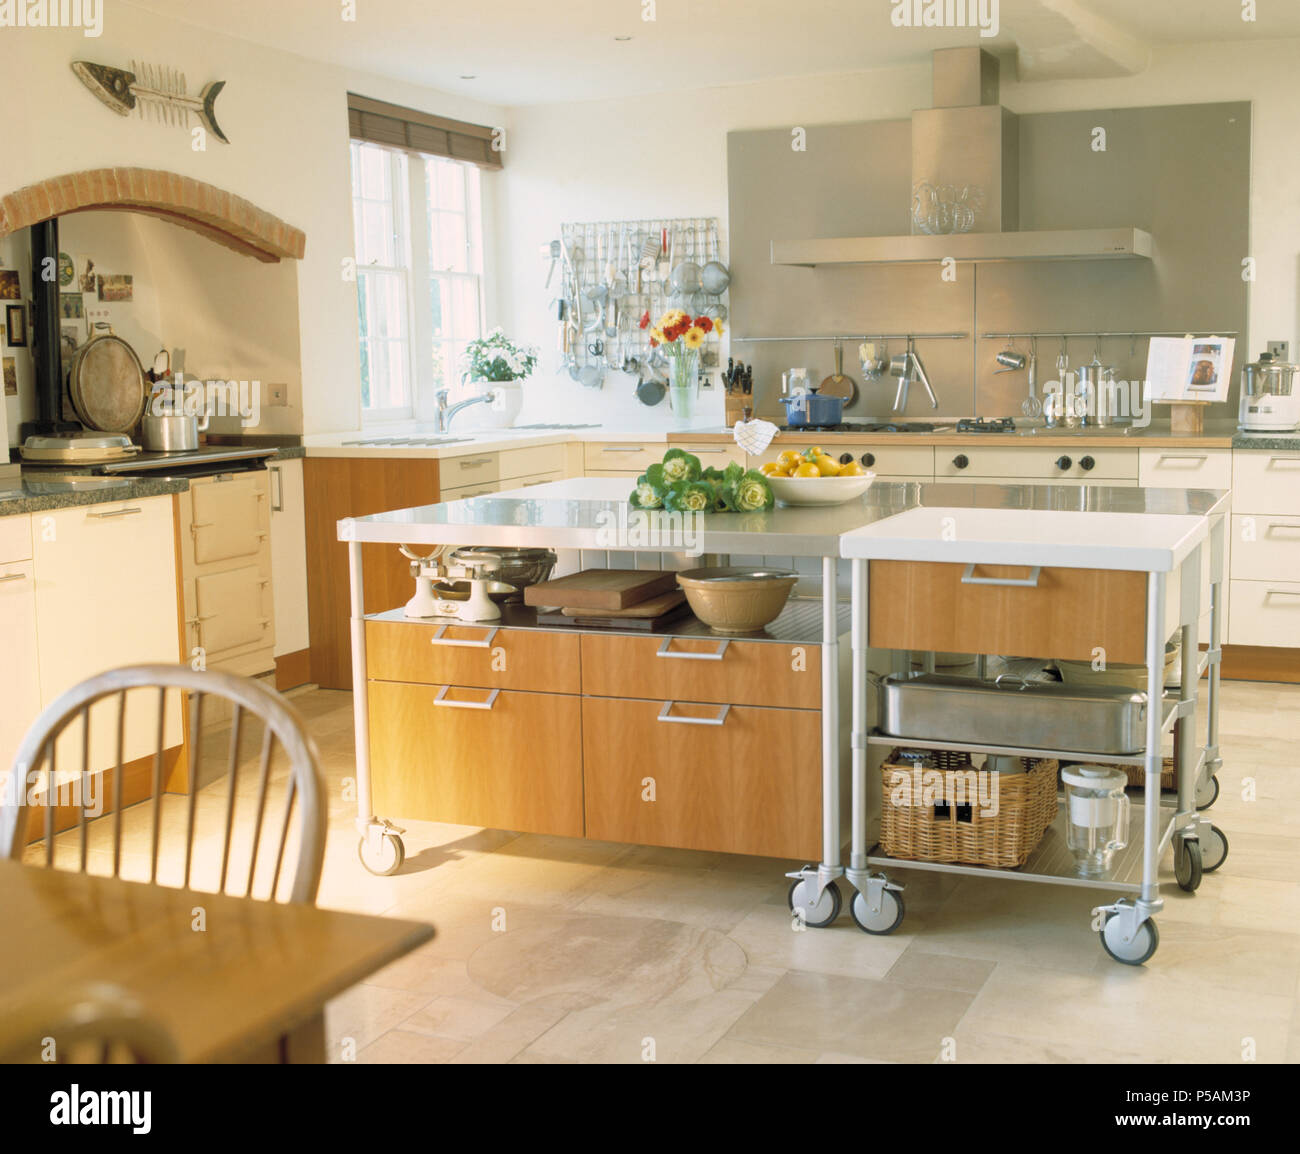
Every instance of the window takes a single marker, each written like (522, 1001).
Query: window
(418, 235)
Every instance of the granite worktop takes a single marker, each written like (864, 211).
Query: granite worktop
(1271, 442)
(39, 494)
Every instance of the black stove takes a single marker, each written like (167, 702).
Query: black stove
(986, 425)
(202, 462)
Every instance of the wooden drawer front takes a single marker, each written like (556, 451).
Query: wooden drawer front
(15, 538)
(1264, 613)
(690, 669)
(750, 785)
(464, 655)
(471, 469)
(626, 474)
(460, 492)
(1265, 548)
(231, 516)
(1185, 469)
(925, 605)
(510, 761)
(621, 456)
(531, 459)
(529, 482)
(1086, 483)
(719, 455)
(1264, 482)
(900, 461)
(1036, 463)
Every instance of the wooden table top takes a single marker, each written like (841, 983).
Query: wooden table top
(258, 971)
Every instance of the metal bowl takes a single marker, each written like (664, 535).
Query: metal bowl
(498, 591)
(519, 567)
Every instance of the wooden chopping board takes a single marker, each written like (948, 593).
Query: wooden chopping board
(651, 607)
(601, 588)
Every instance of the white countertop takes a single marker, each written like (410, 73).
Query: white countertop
(593, 513)
(428, 445)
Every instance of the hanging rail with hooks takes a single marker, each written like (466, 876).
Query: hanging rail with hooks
(1054, 334)
(859, 337)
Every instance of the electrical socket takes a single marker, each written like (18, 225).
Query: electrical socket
(277, 395)
(1279, 350)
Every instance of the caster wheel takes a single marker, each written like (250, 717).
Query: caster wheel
(821, 913)
(1188, 865)
(1214, 849)
(1132, 953)
(1207, 793)
(389, 859)
(883, 921)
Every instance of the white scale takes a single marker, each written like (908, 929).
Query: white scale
(429, 569)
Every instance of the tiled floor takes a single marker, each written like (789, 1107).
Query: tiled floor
(559, 950)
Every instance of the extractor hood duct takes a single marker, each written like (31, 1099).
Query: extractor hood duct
(967, 141)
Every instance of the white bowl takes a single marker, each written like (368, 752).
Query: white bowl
(819, 490)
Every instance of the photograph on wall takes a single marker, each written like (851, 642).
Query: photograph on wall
(116, 288)
(10, 289)
(11, 377)
(86, 277)
(16, 326)
(67, 270)
(71, 335)
(71, 306)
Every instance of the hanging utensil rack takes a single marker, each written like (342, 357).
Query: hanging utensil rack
(859, 337)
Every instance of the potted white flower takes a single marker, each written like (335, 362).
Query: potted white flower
(496, 364)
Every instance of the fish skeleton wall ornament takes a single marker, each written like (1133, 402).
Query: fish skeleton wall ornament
(158, 91)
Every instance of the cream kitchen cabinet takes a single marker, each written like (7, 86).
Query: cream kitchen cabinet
(288, 556)
(226, 572)
(20, 694)
(106, 597)
(1264, 603)
(1040, 465)
(891, 462)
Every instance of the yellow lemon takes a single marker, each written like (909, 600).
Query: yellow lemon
(807, 469)
(827, 466)
(852, 469)
(773, 469)
(789, 459)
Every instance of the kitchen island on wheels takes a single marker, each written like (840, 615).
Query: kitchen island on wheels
(760, 743)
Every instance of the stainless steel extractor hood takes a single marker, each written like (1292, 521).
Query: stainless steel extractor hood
(970, 144)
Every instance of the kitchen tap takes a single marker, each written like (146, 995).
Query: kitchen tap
(446, 412)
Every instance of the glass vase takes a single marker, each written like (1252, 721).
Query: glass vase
(684, 384)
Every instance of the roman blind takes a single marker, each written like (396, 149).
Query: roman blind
(397, 127)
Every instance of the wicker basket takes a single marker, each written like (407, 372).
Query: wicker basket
(1137, 775)
(965, 834)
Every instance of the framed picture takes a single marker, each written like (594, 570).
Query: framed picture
(10, 289)
(86, 277)
(71, 306)
(16, 325)
(67, 270)
(11, 377)
(116, 288)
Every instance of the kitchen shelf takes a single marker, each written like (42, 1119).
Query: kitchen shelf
(983, 247)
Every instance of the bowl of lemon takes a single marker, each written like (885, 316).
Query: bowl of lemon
(814, 477)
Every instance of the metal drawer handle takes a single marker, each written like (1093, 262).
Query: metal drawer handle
(665, 714)
(277, 503)
(1283, 525)
(1184, 457)
(666, 651)
(115, 513)
(459, 643)
(487, 703)
(1282, 593)
(476, 462)
(701, 452)
(622, 449)
(1030, 582)
(1293, 460)
(12, 577)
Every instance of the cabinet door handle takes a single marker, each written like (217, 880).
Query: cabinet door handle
(1184, 457)
(486, 703)
(475, 463)
(462, 643)
(665, 714)
(702, 452)
(1293, 460)
(277, 500)
(1030, 582)
(622, 449)
(115, 513)
(12, 577)
(665, 650)
(1282, 593)
(1282, 525)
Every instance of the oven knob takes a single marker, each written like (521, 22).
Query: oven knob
(846, 458)
(1086, 463)
(1063, 463)
(868, 459)
(960, 461)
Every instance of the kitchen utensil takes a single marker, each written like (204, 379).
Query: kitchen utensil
(1115, 673)
(737, 600)
(478, 604)
(1086, 391)
(875, 362)
(819, 490)
(591, 376)
(80, 449)
(650, 248)
(918, 370)
(804, 409)
(1097, 811)
(685, 276)
(106, 382)
(1065, 403)
(595, 619)
(177, 433)
(601, 588)
(651, 390)
(837, 384)
(1008, 712)
(1268, 403)
(715, 276)
(794, 382)
(445, 589)
(651, 607)
(553, 251)
(1031, 406)
(1012, 362)
(665, 266)
(518, 567)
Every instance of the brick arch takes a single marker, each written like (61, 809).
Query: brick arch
(221, 216)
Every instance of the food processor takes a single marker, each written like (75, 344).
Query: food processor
(1267, 403)
(1098, 811)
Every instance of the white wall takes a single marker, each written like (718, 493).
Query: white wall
(617, 159)
(287, 120)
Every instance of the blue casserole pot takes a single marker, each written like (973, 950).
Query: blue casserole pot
(812, 409)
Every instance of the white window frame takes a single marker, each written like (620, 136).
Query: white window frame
(412, 241)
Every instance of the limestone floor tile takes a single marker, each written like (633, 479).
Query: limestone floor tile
(523, 1025)
(730, 1052)
(459, 1018)
(360, 1015)
(463, 923)
(974, 1046)
(405, 1047)
(611, 961)
(940, 971)
(1133, 1010)
(705, 897)
(1254, 904)
(666, 1032)
(1222, 957)
(769, 938)
(424, 971)
(832, 1058)
(861, 1017)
